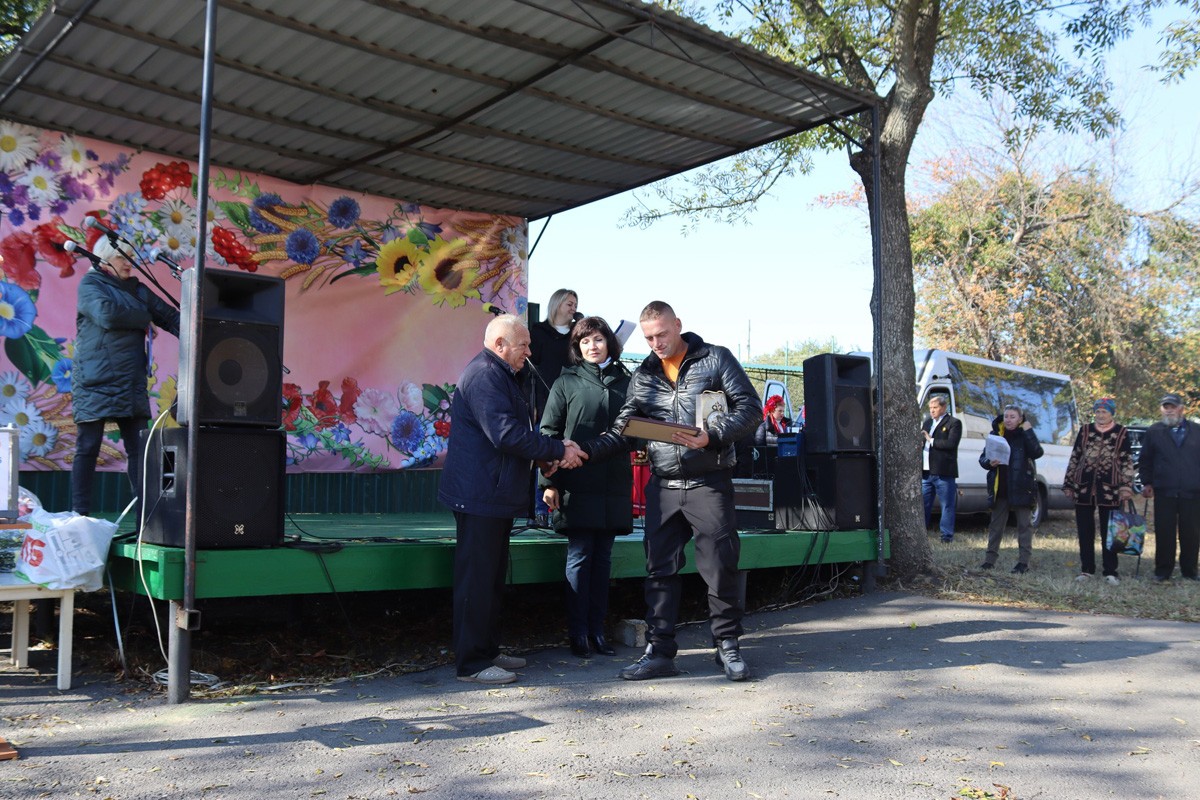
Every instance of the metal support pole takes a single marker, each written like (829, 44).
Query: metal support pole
(185, 617)
(877, 344)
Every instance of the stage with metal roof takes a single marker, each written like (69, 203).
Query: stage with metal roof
(526, 107)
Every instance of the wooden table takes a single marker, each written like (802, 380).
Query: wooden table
(20, 592)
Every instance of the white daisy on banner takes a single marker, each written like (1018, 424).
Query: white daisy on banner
(42, 183)
(18, 146)
(14, 386)
(19, 412)
(177, 245)
(74, 155)
(516, 241)
(178, 218)
(38, 438)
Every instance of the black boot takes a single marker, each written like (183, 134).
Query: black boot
(600, 645)
(579, 647)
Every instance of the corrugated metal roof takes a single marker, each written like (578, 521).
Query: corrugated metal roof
(524, 107)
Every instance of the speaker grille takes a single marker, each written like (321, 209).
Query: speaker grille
(837, 404)
(851, 420)
(238, 358)
(242, 380)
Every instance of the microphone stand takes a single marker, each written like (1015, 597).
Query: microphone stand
(149, 277)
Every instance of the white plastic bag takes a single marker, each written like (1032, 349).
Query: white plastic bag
(27, 503)
(65, 551)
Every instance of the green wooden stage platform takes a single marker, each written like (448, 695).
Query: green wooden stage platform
(386, 531)
(378, 552)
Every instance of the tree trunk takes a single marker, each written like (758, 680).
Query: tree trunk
(904, 515)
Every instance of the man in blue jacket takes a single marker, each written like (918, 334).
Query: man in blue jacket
(485, 482)
(690, 494)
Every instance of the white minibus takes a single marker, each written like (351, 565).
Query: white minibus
(978, 390)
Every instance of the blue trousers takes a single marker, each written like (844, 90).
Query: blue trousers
(589, 566)
(946, 491)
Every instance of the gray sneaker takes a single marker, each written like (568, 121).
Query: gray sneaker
(729, 657)
(493, 676)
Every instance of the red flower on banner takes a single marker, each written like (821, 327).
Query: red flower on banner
(49, 241)
(20, 261)
(162, 178)
(442, 428)
(233, 251)
(350, 393)
(294, 402)
(323, 406)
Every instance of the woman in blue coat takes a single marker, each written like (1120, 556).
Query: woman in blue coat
(591, 505)
(115, 315)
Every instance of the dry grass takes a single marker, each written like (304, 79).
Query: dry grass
(1050, 582)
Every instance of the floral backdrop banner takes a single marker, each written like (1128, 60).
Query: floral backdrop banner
(386, 301)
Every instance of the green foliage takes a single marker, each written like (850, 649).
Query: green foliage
(1054, 272)
(1181, 45)
(15, 19)
(1048, 59)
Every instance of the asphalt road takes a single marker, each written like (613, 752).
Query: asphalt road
(881, 696)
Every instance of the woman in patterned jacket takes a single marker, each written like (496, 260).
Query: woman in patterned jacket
(1099, 478)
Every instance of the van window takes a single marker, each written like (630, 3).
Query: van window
(982, 391)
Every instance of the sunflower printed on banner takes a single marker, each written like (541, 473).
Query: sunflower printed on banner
(385, 300)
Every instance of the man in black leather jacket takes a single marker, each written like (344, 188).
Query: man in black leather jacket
(690, 494)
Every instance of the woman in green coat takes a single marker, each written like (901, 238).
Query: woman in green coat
(593, 503)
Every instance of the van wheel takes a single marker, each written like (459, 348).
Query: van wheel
(1038, 515)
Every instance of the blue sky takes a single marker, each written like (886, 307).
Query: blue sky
(800, 270)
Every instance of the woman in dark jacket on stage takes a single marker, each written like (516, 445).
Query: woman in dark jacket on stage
(115, 315)
(1012, 486)
(550, 343)
(593, 503)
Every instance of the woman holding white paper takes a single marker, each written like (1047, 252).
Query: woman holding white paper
(1012, 485)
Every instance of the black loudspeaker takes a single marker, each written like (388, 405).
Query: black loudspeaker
(240, 350)
(793, 504)
(239, 479)
(837, 404)
(844, 488)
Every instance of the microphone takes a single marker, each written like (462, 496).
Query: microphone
(113, 236)
(72, 246)
(156, 254)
